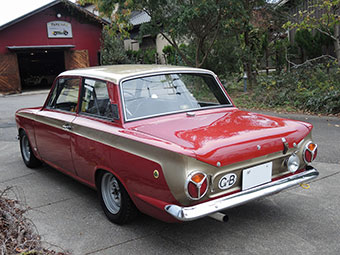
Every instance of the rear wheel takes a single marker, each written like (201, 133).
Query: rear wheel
(115, 200)
(26, 151)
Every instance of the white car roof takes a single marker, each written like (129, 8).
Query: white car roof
(115, 73)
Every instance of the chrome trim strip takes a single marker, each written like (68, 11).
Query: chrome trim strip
(169, 72)
(204, 209)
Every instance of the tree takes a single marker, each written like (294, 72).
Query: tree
(112, 48)
(327, 21)
(197, 22)
(248, 27)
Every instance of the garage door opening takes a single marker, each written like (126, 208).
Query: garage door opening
(38, 69)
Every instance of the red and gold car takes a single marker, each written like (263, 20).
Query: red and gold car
(167, 141)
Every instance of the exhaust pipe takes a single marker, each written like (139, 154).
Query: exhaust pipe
(219, 216)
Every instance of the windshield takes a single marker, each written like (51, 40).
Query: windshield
(167, 93)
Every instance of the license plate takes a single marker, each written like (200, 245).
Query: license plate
(257, 175)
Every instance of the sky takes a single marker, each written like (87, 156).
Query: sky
(12, 9)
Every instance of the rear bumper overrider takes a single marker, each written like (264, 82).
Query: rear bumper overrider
(204, 209)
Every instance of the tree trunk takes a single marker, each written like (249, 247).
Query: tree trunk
(248, 63)
(267, 60)
(337, 42)
(278, 69)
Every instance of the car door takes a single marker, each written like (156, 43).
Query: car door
(53, 127)
(94, 124)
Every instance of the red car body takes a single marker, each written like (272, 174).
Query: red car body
(146, 155)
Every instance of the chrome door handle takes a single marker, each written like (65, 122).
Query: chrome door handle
(67, 126)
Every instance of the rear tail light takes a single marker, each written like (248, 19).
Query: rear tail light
(196, 185)
(310, 152)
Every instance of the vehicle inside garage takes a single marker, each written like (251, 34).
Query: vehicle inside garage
(39, 68)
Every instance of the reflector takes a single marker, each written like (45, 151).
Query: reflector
(197, 178)
(311, 146)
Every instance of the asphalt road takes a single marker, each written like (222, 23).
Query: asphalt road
(68, 216)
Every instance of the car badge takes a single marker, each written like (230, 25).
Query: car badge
(227, 181)
(258, 147)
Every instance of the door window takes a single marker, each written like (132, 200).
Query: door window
(95, 99)
(65, 95)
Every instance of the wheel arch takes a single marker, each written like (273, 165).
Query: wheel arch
(20, 130)
(101, 170)
(31, 140)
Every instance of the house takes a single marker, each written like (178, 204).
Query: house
(37, 46)
(158, 42)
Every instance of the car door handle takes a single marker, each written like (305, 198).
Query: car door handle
(67, 126)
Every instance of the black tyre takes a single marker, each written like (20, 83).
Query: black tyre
(114, 199)
(26, 151)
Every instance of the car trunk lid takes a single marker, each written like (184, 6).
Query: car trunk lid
(223, 137)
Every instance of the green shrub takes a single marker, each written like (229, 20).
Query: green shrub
(142, 56)
(112, 49)
(310, 89)
(170, 55)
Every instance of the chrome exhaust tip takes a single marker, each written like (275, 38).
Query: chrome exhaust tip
(219, 216)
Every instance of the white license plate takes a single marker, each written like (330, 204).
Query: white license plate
(257, 175)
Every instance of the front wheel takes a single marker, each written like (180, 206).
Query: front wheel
(115, 200)
(28, 157)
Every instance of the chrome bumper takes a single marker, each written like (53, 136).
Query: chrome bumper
(216, 205)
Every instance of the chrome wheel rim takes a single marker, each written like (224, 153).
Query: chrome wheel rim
(111, 193)
(25, 145)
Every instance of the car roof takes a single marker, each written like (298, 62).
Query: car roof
(115, 73)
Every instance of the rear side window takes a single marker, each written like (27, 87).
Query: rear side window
(95, 99)
(65, 95)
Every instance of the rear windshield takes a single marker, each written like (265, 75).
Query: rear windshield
(168, 93)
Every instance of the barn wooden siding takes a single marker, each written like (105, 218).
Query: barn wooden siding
(76, 59)
(9, 74)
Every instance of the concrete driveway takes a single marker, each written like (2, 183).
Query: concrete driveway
(68, 215)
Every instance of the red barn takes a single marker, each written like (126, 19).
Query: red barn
(36, 47)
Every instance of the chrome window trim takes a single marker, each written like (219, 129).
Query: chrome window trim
(59, 110)
(167, 113)
(86, 114)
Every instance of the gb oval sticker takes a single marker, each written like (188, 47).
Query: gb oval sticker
(227, 181)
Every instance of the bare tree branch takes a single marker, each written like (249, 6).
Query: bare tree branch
(309, 60)
(326, 33)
